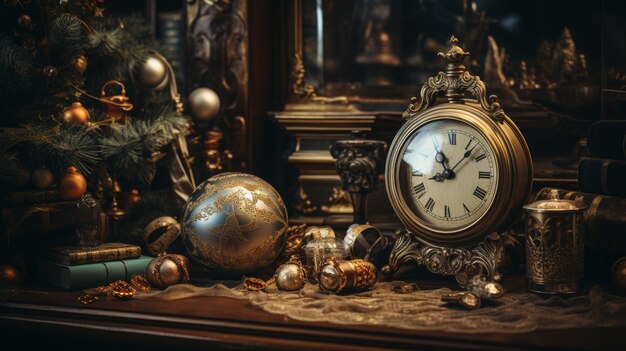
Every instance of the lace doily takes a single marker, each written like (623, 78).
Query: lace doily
(515, 312)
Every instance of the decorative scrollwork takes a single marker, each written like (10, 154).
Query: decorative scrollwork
(455, 82)
(359, 164)
(486, 258)
(299, 86)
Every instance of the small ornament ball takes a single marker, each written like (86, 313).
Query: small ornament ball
(167, 270)
(9, 275)
(42, 178)
(152, 73)
(72, 185)
(291, 276)
(50, 71)
(76, 113)
(24, 21)
(204, 104)
(618, 273)
(80, 63)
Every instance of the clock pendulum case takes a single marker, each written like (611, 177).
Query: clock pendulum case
(457, 175)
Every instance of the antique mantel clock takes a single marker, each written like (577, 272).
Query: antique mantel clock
(457, 175)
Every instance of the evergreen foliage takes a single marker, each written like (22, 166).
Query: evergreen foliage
(32, 103)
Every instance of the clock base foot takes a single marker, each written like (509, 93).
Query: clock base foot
(463, 263)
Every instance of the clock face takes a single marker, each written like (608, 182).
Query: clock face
(448, 174)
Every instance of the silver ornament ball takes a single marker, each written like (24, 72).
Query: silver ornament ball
(152, 73)
(234, 223)
(204, 104)
(42, 178)
(290, 277)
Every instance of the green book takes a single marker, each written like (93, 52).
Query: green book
(90, 275)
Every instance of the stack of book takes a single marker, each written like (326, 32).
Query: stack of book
(71, 267)
(602, 187)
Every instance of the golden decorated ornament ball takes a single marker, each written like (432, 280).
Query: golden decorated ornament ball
(291, 276)
(167, 270)
(234, 223)
(72, 185)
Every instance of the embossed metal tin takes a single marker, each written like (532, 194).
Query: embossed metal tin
(337, 276)
(554, 245)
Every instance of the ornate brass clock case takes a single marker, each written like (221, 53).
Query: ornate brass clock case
(478, 245)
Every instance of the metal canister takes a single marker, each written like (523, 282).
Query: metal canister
(336, 276)
(554, 245)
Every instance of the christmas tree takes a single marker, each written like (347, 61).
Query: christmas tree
(84, 90)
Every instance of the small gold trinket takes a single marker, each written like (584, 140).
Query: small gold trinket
(405, 288)
(140, 283)
(468, 300)
(87, 299)
(256, 284)
(123, 290)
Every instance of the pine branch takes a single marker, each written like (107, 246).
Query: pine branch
(65, 38)
(61, 146)
(124, 150)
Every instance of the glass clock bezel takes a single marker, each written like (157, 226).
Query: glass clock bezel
(406, 178)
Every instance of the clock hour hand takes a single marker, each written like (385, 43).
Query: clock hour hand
(437, 177)
(465, 155)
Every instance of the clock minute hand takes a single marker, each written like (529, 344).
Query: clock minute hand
(465, 155)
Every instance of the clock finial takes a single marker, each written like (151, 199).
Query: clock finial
(454, 54)
(454, 83)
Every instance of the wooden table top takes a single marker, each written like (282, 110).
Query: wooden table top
(223, 323)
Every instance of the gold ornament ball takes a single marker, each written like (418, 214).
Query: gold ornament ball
(167, 270)
(152, 73)
(24, 21)
(9, 275)
(42, 178)
(204, 104)
(234, 223)
(72, 184)
(80, 63)
(290, 277)
(50, 71)
(76, 113)
(618, 273)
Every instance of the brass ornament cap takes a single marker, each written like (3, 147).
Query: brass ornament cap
(72, 185)
(76, 113)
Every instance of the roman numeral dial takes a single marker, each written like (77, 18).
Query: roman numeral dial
(451, 175)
